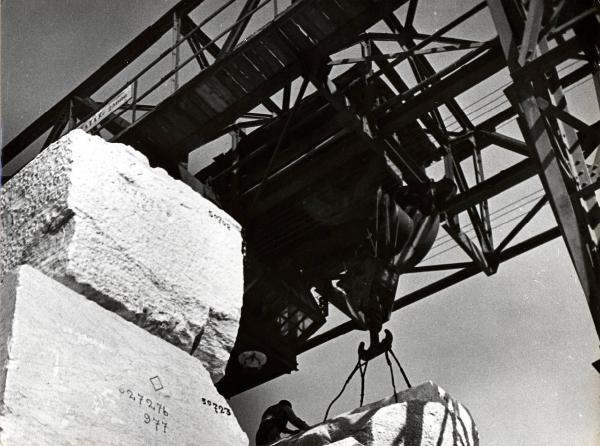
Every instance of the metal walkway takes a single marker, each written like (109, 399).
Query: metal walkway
(240, 80)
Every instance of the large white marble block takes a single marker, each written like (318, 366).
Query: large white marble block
(94, 216)
(423, 416)
(75, 374)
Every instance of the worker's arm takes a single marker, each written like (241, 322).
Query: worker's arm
(289, 431)
(292, 418)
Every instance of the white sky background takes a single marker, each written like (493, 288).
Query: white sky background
(515, 348)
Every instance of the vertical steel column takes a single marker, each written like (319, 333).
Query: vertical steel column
(484, 210)
(175, 50)
(538, 134)
(595, 171)
(236, 136)
(573, 146)
(235, 204)
(134, 100)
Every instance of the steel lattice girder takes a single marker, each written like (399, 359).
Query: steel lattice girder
(572, 224)
(540, 136)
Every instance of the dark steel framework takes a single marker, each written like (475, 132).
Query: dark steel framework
(534, 38)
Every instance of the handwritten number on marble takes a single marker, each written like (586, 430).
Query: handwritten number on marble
(216, 407)
(152, 405)
(219, 219)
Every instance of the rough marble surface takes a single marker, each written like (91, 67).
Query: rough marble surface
(75, 374)
(96, 217)
(423, 416)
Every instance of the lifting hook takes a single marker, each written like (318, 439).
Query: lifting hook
(376, 346)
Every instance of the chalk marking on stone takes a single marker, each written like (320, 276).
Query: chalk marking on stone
(156, 383)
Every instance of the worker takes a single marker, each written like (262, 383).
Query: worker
(274, 421)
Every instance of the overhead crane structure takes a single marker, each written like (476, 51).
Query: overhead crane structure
(333, 140)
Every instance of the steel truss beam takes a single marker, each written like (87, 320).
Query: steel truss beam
(196, 40)
(421, 66)
(435, 287)
(543, 137)
(538, 145)
(462, 79)
(479, 254)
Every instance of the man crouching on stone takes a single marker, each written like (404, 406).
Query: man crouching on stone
(274, 421)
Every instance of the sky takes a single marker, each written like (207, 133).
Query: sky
(515, 348)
